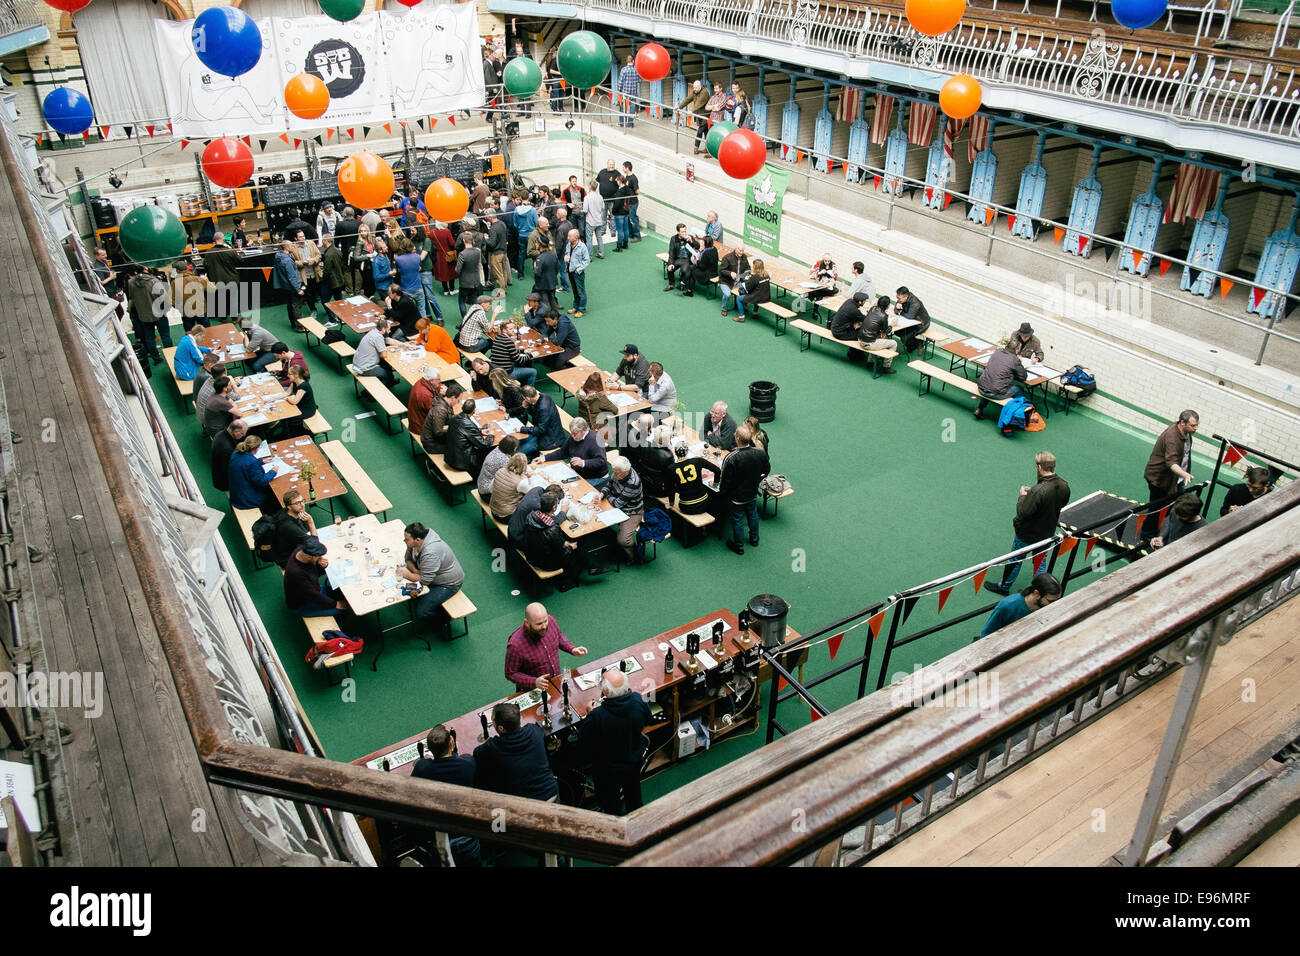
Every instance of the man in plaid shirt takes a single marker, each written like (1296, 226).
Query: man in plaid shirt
(533, 651)
(629, 89)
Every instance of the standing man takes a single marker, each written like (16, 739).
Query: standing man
(345, 237)
(332, 281)
(222, 265)
(289, 280)
(593, 214)
(575, 196)
(533, 650)
(742, 470)
(611, 739)
(104, 271)
(469, 274)
(910, 307)
(546, 271)
(629, 93)
(430, 561)
(576, 259)
(1000, 377)
(1169, 467)
(480, 197)
(497, 245)
(634, 187)
(1042, 591)
(1037, 513)
(147, 299)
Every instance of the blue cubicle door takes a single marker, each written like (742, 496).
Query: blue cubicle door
(1277, 268)
(1085, 207)
(790, 131)
(822, 127)
(859, 140)
(1208, 241)
(938, 170)
(1140, 234)
(983, 177)
(1029, 202)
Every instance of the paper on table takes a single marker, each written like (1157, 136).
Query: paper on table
(976, 343)
(263, 450)
(558, 471)
(588, 498)
(483, 405)
(327, 533)
(511, 425)
(611, 517)
(529, 699)
(623, 399)
(281, 467)
(356, 300)
(256, 419)
(1042, 371)
(339, 573)
(261, 378)
(365, 325)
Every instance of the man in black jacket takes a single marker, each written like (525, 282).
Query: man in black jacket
(469, 274)
(742, 470)
(874, 334)
(530, 502)
(547, 547)
(910, 307)
(345, 236)
(546, 275)
(611, 739)
(223, 446)
(1037, 512)
(546, 431)
(999, 378)
(467, 446)
(401, 308)
(514, 761)
(703, 267)
(681, 251)
(720, 428)
(443, 763)
(293, 526)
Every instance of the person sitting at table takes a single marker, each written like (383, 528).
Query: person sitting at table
(400, 309)
(204, 372)
(734, 265)
(426, 388)
(1184, 518)
(547, 548)
(293, 526)
(287, 358)
(634, 369)
(875, 332)
(505, 355)
(437, 423)
(260, 342)
(611, 738)
(913, 309)
(688, 480)
(508, 393)
(436, 341)
(654, 463)
(534, 311)
(680, 252)
(720, 428)
(703, 267)
(305, 594)
(223, 446)
(189, 354)
(846, 322)
(514, 761)
(480, 371)
(203, 393)
(530, 502)
(824, 273)
(220, 409)
(559, 330)
(546, 431)
(250, 482)
(661, 392)
(473, 335)
(754, 290)
(999, 378)
(496, 459)
(1026, 343)
(624, 491)
(584, 452)
(443, 763)
(301, 395)
(368, 359)
(757, 437)
(430, 561)
(594, 404)
(508, 486)
(467, 444)
(861, 283)
(1255, 486)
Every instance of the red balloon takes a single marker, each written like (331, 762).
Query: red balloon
(228, 162)
(742, 154)
(408, 3)
(653, 62)
(68, 6)
(446, 200)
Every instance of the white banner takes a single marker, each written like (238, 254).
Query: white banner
(437, 59)
(349, 57)
(203, 104)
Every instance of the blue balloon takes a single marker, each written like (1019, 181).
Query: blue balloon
(227, 40)
(68, 111)
(1138, 14)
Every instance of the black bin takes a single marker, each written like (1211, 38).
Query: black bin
(762, 400)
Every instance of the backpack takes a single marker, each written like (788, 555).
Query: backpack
(1015, 415)
(333, 335)
(1080, 377)
(775, 484)
(335, 642)
(264, 537)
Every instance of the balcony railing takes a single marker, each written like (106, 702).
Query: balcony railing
(19, 15)
(1191, 87)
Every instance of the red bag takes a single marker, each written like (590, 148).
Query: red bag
(336, 642)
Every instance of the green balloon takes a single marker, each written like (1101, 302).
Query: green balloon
(522, 77)
(152, 236)
(342, 10)
(584, 59)
(717, 133)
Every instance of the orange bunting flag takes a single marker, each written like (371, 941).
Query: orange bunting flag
(1011, 223)
(284, 138)
(979, 580)
(876, 180)
(1083, 244)
(1225, 286)
(388, 128)
(1092, 543)
(874, 623)
(432, 121)
(103, 134)
(1067, 546)
(1137, 259)
(1059, 233)
(799, 157)
(1164, 266)
(833, 645)
(169, 127)
(943, 597)
(266, 273)
(815, 715)
(1137, 525)
(329, 131)
(781, 683)
(562, 83)
(989, 216)
(1231, 455)
(1038, 561)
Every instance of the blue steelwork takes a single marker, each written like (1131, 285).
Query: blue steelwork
(1085, 207)
(1143, 224)
(896, 153)
(1208, 241)
(1029, 202)
(790, 127)
(983, 177)
(1277, 267)
(822, 127)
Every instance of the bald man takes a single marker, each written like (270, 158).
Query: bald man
(533, 651)
(611, 739)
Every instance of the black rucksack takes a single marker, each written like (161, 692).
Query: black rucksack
(264, 529)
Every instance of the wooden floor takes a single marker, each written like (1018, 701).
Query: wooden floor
(1077, 804)
(136, 787)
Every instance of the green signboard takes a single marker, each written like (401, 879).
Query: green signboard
(763, 196)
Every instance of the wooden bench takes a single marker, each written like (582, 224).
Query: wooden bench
(504, 530)
(458, 607)
(389, 403)
(1069, 394)
(185, 388)
(781, 316)
(317, 426)
(930, 338)
(372, 499)
(581, 361)
(768, 496)
(313, 328)
(930, 372)
(663, 258)
(809, 329)
(438, 469)
(699, 522)
(247, 517)
(467, 357)
(316, 628)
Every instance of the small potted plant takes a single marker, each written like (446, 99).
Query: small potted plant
(309, 471)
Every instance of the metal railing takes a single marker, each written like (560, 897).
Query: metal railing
(19, 15)
(1196, 88)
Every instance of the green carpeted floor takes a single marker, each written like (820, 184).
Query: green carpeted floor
(891, 490)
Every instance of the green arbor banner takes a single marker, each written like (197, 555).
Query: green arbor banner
(763, 196)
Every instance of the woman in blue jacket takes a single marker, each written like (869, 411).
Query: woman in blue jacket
(381, 268)
(189, 355)
(250, 482)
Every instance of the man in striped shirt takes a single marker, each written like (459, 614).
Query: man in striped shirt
(533, 651)
(629, 88)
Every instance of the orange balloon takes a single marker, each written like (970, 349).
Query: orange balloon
(934, 17)
(446, 200)
(960, 95)
(366, 181)
(307, 96)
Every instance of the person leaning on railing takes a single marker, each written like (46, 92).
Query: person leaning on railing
(1042, 591)
(693, 103)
